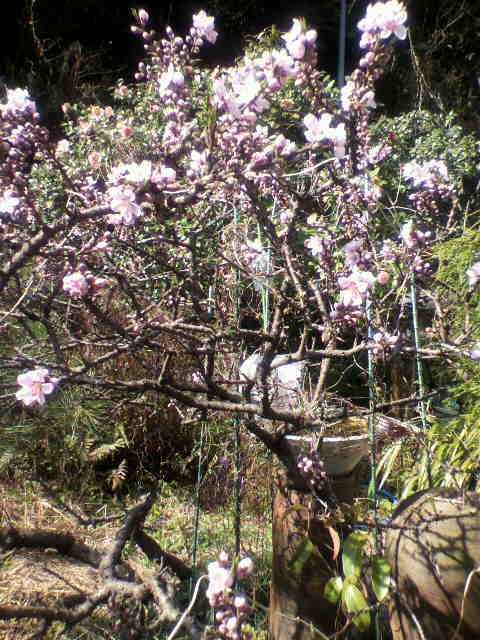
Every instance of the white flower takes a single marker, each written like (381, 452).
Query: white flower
(381, 20)
(297, 39)
(63, 146)
(219, 580)
(245, 567)
(412, 237)
(170, 81)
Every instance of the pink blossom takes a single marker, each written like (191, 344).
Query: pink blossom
(286, 216)
(284, 146)
(381, 21)
(97, 111)
(63, 146)
(199, 162)
(205, 26)
(317, 129)
(75, 284)
(427, 174)
(383, 277)
(384, 341)
(35, 385)
(220, 579)
(315, 244)
(94, 159)
(240, 602)
(164, 176)
(122, 201)
(170, 82)
(232, 623)
(354, 288)
(8, 202)
(298, 39)
(125, 130)
(473, 274)
(350, 95)
(412, 238)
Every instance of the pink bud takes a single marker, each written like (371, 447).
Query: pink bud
(143, 17)
(94, 159)
(245, 567)
(383, 277)
(125, 131)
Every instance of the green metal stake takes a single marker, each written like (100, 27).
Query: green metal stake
(419, 366)
(196, 521)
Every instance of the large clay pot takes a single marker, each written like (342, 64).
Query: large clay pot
(434, 549)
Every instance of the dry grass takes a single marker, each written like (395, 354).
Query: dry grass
(34, 577)
(29, 577)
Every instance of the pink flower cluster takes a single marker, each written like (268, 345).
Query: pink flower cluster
(205, 26)
(34, 386)
(413, 238)
(312, 468)
(381, 21)
(319, 129)
(233, 607)
(384, 342)
(298, 40)
(351, 95)
(18, 101)
(354, 288)
(78, 284)
(427, 174)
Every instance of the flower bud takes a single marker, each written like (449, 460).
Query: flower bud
(143, 17)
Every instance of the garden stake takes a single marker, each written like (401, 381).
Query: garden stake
(197, 503)
(420, 381)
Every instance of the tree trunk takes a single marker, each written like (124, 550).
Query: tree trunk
(302, 564)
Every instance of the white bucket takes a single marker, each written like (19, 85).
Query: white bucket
(340, 454)
(285, 381)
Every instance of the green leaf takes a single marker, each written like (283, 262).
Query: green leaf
(380, 577)
(352, 554)
(333, 589)
(302, 556)
(353, 600)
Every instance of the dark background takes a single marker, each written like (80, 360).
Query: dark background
(76, 49)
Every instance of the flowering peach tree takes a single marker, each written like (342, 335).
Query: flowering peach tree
(214, 213)
(135, 232)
